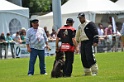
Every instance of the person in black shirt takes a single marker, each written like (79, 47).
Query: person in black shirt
(67, 35)
(2, 44)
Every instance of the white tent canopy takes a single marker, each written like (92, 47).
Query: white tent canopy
(120, 3)
(12, 17)
(89, 7)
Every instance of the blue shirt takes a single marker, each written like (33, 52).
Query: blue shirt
(36, 38)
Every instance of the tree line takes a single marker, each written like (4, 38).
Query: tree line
(41, 6)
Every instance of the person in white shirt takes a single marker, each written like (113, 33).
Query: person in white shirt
(101, 42)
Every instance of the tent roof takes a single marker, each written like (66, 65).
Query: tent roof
(120, 3)
(6, 6)
(96, 6)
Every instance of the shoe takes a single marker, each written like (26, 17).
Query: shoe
(29, 74)
(44, 74)
(94, 74)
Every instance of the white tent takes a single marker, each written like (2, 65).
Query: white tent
(12, 17)
(120, 3)
(92, 8)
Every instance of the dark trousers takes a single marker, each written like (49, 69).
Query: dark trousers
(87, 55)
(1, 50)
(4, 46)
(69, 58)
(12, 49)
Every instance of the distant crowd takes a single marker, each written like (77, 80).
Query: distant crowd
(107, 38)
(19, 36)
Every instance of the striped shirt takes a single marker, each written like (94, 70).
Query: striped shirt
(36, 38)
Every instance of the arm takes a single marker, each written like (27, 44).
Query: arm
(78, 35)
(95, 33)
(57, 40)
(74, 41)
(27, 41)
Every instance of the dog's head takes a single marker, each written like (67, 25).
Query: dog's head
(59, 55)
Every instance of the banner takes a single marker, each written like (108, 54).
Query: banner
(114, 25)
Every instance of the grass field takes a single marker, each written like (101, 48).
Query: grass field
(111, 69)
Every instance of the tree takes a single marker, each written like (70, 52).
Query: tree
(39, 6)
(36, 6)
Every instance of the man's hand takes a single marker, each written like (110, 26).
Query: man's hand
(28, 49)
(76, 49)
(95, 44)
(48, 47)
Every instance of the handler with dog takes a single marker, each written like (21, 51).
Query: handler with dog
(66, 35)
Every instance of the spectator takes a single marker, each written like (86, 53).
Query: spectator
(53, 34)
(23, 37)
(36, 41)
(10, 42)
(45, 29)
(3, 45)
(101, 42)
(2, 37)
(115, 40)
(49, 37)
(108, 37)
(122, 35)
(17, 40)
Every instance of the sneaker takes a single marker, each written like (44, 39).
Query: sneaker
(29, 74)
(94, 74)
(44, 74)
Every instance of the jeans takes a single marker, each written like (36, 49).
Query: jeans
(33, 56)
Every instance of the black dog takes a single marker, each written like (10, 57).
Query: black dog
(58, 65)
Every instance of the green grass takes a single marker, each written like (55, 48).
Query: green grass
(111, 69)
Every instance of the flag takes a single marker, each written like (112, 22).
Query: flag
(114, 25)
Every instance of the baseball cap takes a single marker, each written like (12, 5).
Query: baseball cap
(81, 15)
(69, 20)
(34, 20)
(109, 25)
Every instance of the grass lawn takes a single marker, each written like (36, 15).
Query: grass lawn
(111, 69)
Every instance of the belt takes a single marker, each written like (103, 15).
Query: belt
(84, 40)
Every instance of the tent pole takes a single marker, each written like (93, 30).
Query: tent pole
(57, 18)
